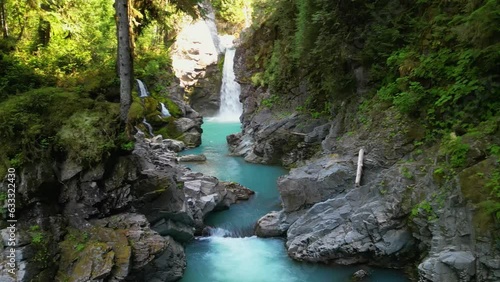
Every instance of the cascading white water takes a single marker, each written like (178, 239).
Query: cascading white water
(143, 91)
(164, 110)
(230, 106)
(149, 127)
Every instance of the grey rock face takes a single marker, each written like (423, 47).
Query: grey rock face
(174, 145)
(121, 243)
(184, 124)
(337, 222)
(269, 225)
(314, 183)
(169, 266)
(449, 266)
(206, 95)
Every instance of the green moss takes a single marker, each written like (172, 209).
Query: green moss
(480, 185)
(30, 121)
(455, 150)
(86, 136)
(172, 107)
(169, 130)
(136, 112)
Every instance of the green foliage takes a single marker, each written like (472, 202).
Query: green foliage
(29, 121)
(36, 234)
(269, 102)
(446, 75)
(455, 151)
(88, 135)
(424, 208)
(406, 173)
(231, 14)
(172, 107)
(494, 184)
(15, 76)
(257, 79)
(79, 247)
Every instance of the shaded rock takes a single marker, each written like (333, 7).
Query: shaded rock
(174, 145)
(192, 138)
(205, 97)
(360, 275)
(169, 266)
(177, 230)
(184, 124)
(93, 174)
(36, 181)
(192, 158)
(234, 139)
(124, 170)
(68, 169)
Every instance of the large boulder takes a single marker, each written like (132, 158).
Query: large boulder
(449, 266)
(169, 266)
(315, 182)
(269, 225)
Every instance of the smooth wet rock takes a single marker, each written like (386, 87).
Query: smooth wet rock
(193, 158)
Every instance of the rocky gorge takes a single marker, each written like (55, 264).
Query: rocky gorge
(404, 213)
(123, 220)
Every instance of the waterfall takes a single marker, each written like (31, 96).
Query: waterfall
(164, 110)
(148, 126)
(230, 106)
(143, 92)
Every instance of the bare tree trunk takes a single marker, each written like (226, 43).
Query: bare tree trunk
(360, 167)
(125, 63)
(3, 19)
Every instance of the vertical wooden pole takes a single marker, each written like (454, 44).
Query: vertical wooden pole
(360, 167)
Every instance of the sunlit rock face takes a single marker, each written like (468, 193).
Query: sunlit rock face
(194, 59)
(193, 51)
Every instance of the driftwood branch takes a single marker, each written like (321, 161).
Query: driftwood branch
(360, 167)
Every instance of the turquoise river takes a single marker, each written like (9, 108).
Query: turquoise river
(243, 257)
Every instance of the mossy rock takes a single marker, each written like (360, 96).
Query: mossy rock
(169, 130)
(87, 135)
(171, 106)
(474, 186)
(97, 253)
(136, 112)
(31, 121)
